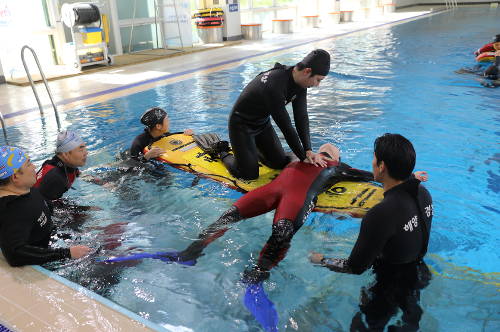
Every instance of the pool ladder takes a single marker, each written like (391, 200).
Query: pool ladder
(34, 91)
(452, 4)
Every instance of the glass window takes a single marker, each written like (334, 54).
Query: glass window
(245, 4)
(287, 13)
(246, 17)
(144, 8)
(263, 3)
(144, 38)
(285, 2)
(265, 18)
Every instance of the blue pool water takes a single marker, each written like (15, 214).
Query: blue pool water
(402, 79)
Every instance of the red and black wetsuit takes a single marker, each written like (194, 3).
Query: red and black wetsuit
(293, 194)
(25, 230)
(250, 128)
(55, 178)
(486, 48)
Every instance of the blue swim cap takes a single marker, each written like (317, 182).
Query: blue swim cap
(11, 160)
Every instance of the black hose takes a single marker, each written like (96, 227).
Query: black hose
(86, 14)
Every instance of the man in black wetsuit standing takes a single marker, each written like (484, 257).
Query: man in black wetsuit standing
(250, 128)
(393, 239)
(25, 221)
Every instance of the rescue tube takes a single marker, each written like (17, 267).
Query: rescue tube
(209, 12)
(209, 21)
(486, 57)
(353, 198)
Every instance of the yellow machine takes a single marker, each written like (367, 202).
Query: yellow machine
(353, 198)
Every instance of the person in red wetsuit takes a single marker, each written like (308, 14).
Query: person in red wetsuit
(57, 175)
(293, 194)
(490, 47)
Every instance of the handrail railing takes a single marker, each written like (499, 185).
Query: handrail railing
(4, 129)
(44, 81)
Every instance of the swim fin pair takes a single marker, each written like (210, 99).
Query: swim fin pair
(169, 257)
(256, 301)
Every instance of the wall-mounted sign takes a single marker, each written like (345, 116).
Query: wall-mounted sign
(233, 7)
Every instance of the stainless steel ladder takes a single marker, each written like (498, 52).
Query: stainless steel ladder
(4, 129)
(158, 20)
(34, 88)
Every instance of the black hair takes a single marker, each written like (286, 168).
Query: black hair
(6, 181)
(397, 153)
(492, 72)
(496, 39)
(153, 116)
(300, 66)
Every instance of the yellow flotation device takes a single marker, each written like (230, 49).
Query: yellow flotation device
(353, 198)
(209, 12)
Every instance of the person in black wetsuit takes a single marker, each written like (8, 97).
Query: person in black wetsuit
(56, 176)
(493, 71)
(393, 239)
(157, 126)
(251, 133)
(25, 221)
(293, 194)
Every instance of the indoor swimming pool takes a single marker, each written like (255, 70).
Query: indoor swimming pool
(403, 78)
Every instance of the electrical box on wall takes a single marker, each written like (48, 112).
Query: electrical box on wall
(231, 30)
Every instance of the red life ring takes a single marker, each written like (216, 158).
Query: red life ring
(486, 57)
(204, 21)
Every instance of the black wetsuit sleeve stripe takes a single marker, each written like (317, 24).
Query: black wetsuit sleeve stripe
(301, 119)
(31, 255)
(372, 238)
(275, 103)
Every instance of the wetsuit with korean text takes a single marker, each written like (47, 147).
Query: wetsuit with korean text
(250, 128)
(393, 238)
(55, 178)
(25, 230)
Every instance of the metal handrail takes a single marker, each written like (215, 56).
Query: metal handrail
(44, 81)
(4, 129)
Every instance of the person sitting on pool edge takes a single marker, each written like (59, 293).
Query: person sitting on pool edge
(393, 239)
(293, 194)
(490, 47)
(251, 133)
(56, 176)
(157, 126)
(26, 224)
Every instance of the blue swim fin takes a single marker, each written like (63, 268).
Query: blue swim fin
(169, 257)
(261, 307)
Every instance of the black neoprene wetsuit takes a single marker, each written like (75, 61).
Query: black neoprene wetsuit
(395, 231)
(55, 178)
(250, 128)
(25, 230)
(293, 194)
(393, 238)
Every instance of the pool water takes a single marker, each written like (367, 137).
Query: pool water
(403, 79)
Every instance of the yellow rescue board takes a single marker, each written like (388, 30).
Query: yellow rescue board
(353, 198)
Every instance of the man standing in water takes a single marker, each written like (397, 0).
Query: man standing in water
(393, 239)
(250, 129)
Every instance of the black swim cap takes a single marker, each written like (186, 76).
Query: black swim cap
(492, 72)
(496, 39)
(319, 61)
(153, 116)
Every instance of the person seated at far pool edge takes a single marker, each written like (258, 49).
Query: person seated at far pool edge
(157, 126)
(26, 223)
(56, 176)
